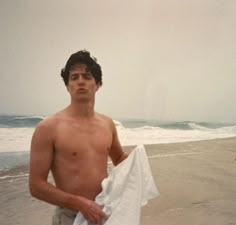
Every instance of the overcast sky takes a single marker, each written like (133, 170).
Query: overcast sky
(161, 59)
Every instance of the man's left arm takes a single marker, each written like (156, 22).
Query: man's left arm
(116, 153)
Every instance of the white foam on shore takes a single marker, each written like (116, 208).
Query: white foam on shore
(18, 139)
(14, 176)
(156, 135)
(171, 154)
(15, 139)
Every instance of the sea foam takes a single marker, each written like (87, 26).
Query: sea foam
(19, 138)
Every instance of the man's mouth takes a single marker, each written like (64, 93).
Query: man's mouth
(81, 90)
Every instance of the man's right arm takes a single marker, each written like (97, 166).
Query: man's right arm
(41, 158)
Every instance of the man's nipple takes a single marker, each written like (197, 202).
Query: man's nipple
(74, 153)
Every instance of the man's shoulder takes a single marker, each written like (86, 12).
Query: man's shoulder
(107, 120)
(104, 118)
(48, 122)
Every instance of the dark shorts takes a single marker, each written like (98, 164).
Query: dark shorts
(64, 216)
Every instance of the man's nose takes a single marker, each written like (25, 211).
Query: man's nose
(80, 79)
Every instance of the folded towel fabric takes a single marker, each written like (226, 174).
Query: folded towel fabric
(128, 187)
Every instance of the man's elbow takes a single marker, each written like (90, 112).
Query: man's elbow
(122, 157)
(34, 189)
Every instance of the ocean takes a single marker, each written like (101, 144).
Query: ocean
(16, 133)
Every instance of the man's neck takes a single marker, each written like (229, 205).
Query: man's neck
(81, 110)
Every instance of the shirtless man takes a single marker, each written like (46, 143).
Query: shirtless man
(75, 144)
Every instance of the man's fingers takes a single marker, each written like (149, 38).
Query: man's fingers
(105, 216)
(102, 214)
(95, 214)
(99, 222)
(93, 218)
(97, 219)
(98, 213)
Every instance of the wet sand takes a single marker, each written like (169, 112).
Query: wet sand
(196, 181)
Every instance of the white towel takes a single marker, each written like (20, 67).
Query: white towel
(129, 186)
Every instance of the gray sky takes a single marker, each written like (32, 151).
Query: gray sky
(161, 59)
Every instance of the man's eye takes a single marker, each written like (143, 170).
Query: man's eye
(87, 76)
(74, 77)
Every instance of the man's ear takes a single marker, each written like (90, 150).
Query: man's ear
(97, 87)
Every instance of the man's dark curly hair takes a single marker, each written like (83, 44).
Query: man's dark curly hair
(83, 57)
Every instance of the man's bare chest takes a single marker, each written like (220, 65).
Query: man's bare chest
(77, 139)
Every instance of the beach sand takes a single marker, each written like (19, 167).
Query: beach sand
(196, 181)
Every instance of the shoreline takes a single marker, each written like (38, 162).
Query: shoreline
(150, 148)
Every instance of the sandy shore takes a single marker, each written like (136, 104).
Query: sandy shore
(196, 180)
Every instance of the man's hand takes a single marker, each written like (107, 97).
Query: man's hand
(93, 212)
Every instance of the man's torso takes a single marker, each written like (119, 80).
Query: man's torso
(80, 154)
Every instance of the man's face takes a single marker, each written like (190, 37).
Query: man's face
(81, 84)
